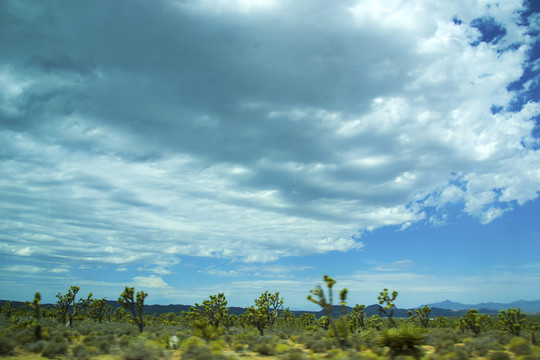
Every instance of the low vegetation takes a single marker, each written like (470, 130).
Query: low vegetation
(90, 329)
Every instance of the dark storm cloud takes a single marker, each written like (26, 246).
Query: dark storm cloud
(161, 69)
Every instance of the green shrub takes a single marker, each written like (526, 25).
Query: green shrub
(195, 348)
(282, 348)
(80, 352)
(248, 337)
(6, 345)
(528, 357)
(294, 354)
(237, 346)
(457, 354)
(367, 338)
(204, 329)
(90, 337)
(36, 347)
(266, 345)
(482, 344)
(499, 355)
(440, 338)
(141, 350)
(432, 357)
(519, 346)
(24, 336)
(443, 347)
(54, 348)
(319, 345)
(403, 341)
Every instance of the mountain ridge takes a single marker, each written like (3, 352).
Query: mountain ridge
(531, 306)
(443, 308)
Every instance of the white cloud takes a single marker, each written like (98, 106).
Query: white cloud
(23, 269)
(394, 266)
(152, 281)
(60, 270)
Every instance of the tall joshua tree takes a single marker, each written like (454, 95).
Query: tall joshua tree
(389, 308)
(267, 311)
(135, 306)
(35, 305)
(326, 304)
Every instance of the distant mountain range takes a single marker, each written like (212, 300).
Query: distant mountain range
(525, 306)
(444, 308)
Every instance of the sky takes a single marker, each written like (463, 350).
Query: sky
(188, 148)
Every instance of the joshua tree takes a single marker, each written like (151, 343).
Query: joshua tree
(267, 311)
(327, 306)
(128, 301)
(308, 320)
(512, 320)
(389, 308)
(357, 318)
(422, 315)
(473, 321)
(441, 322)
(35, 305)
(98, 309)
(231, 321)
(374, 322)
(213, 310)
(7, 309)
(68, 306)
(120, 315)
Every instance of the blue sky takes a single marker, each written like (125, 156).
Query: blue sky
(194, 147)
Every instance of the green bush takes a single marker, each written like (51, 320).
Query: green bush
(195, 348)
(440, 338)
(319, 345)
(368, 338)
(204, 329)
(80, 352)
(482, 344)
(248, 336)
(528, 357)
(266, 345)
(432, 357)
(141, 350)
(294, 354)
(499, 355)
(237, 346)
(54, 348)
(403, 341)
(99, 344)
(24, 336)
(36, 347)
(6, 345)
(123, 341)
(519, 346)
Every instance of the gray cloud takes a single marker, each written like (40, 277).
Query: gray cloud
(249, 131)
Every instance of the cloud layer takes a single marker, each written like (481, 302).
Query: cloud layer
(254, 130)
